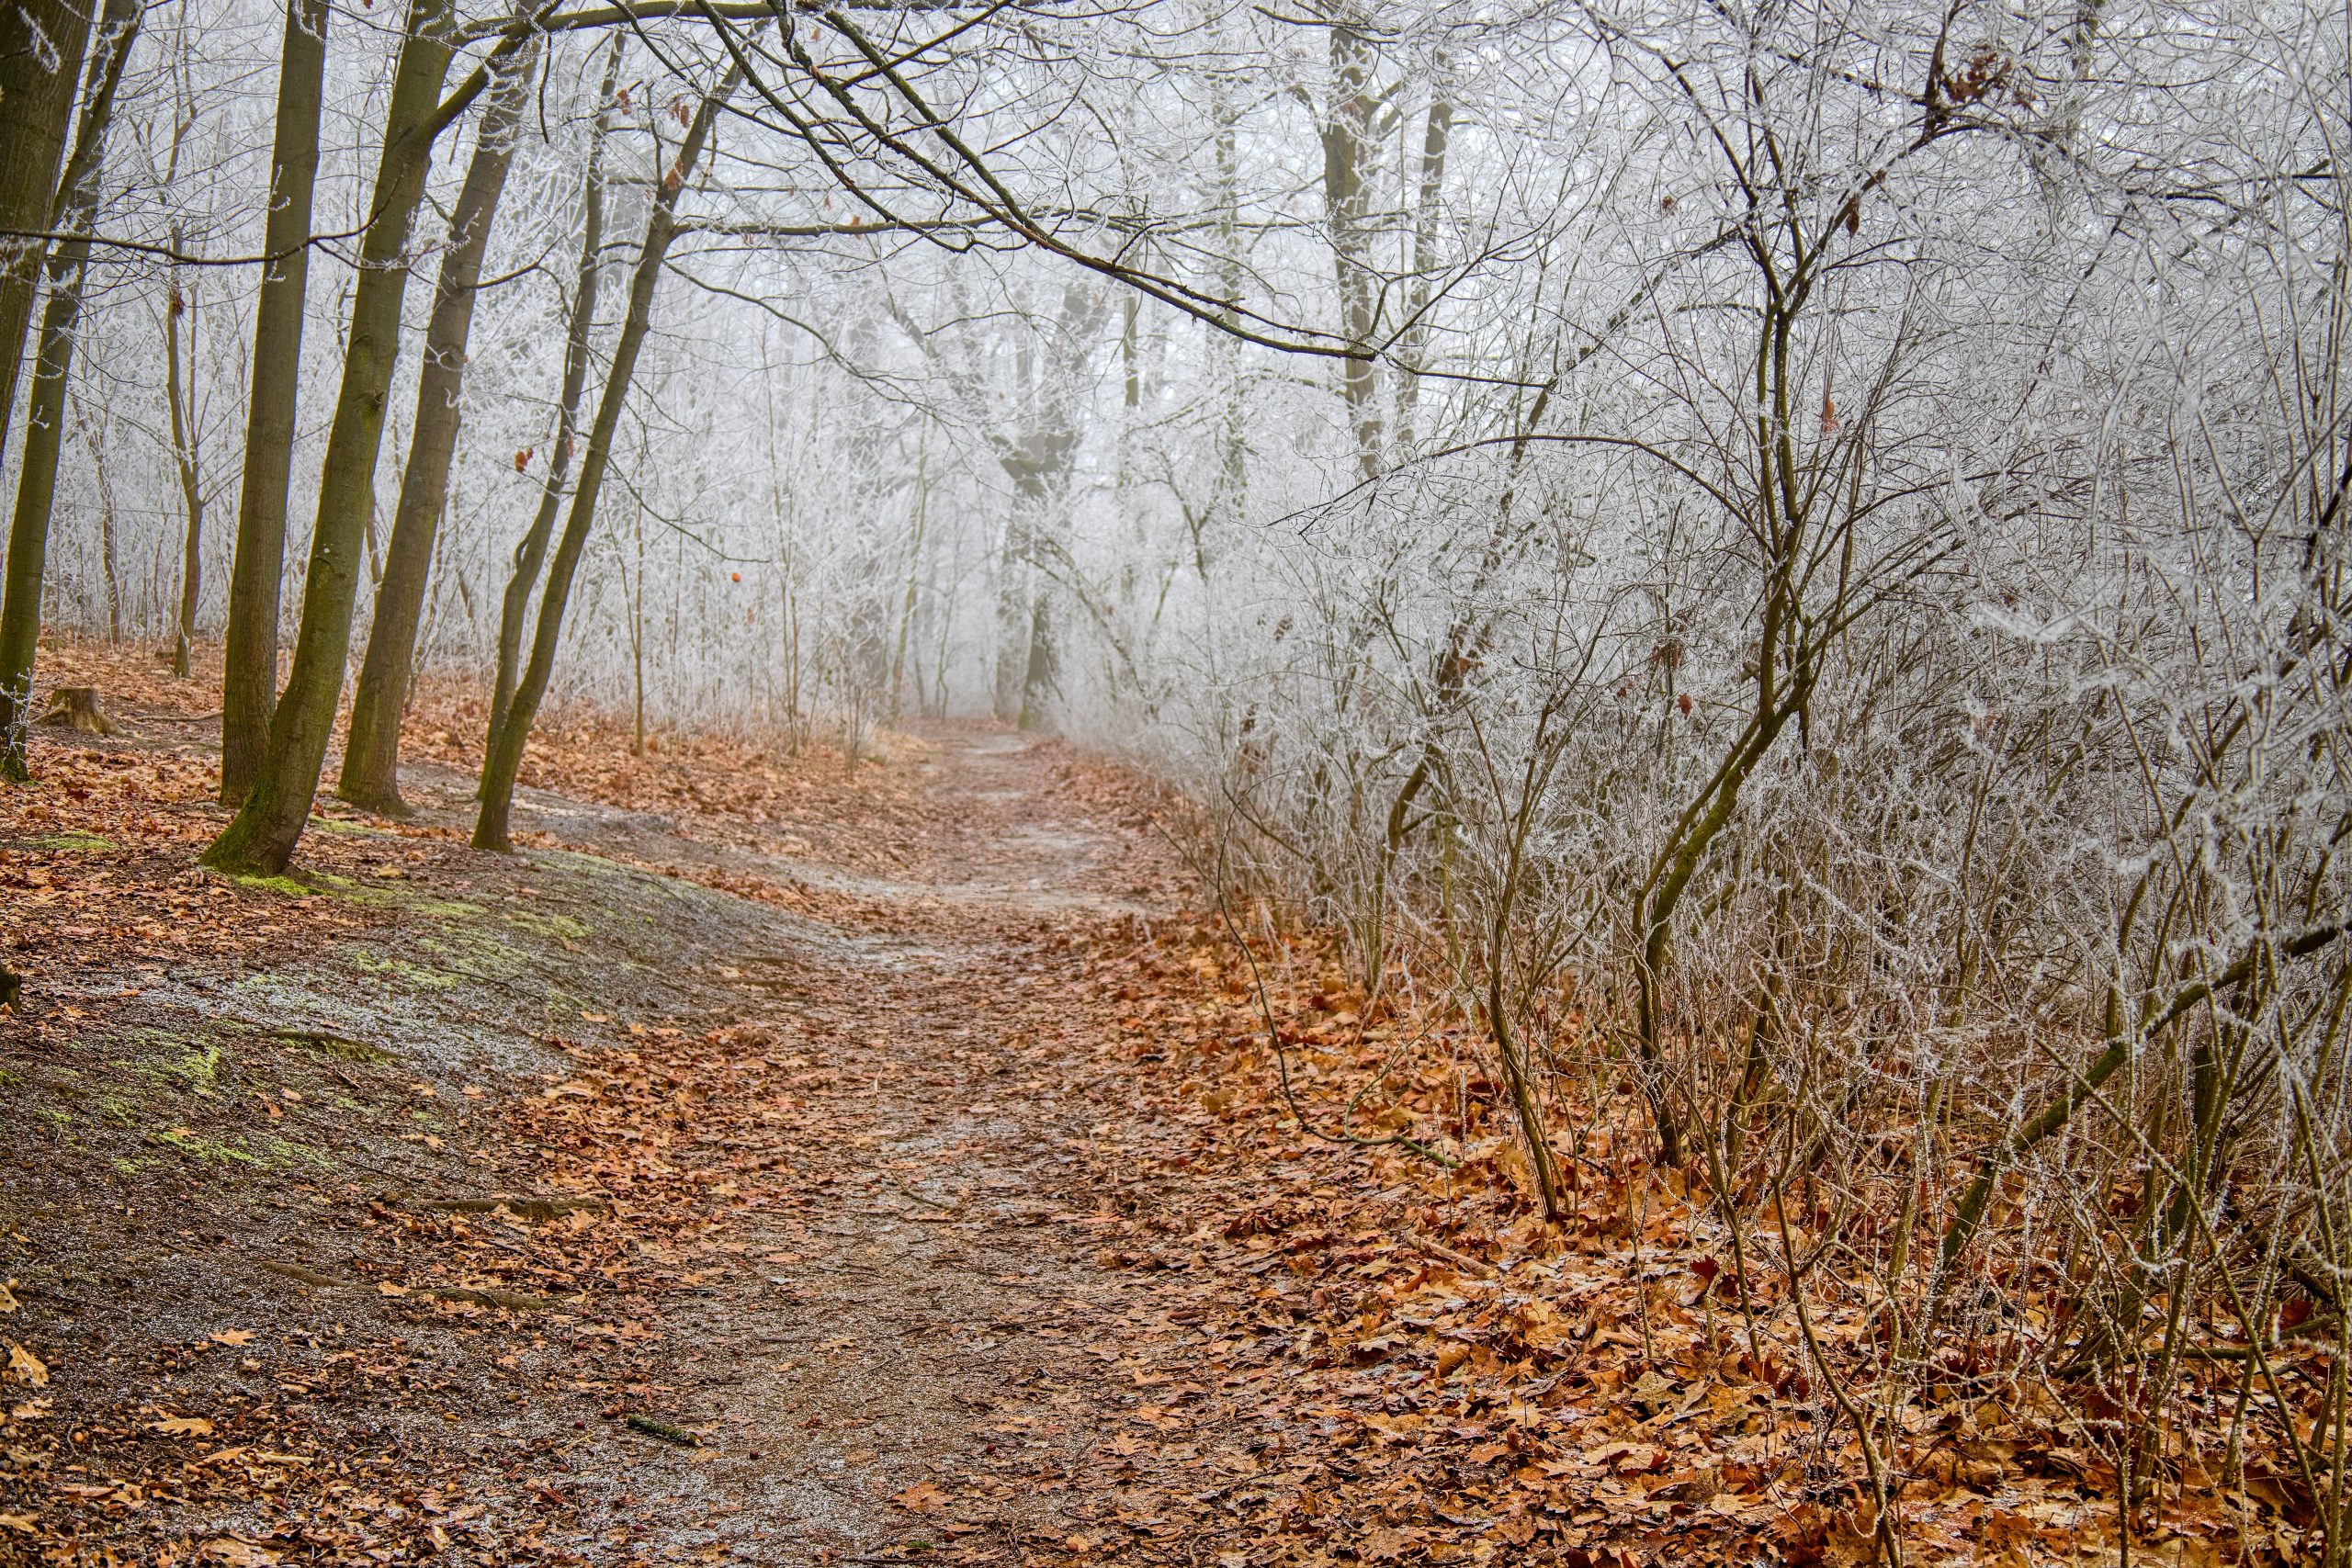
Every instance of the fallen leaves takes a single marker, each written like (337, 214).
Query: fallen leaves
(1385, 1543)
(922, 1498)
(1345, 1348)
(26, 1367)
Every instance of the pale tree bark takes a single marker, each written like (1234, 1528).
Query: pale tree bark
(505, 757)
(1228, 492)
(531, 551)
(263, 834)
(914, 564)
(248, 644)
(633, 604)
(371, 775)
(1039, 459)
(74, 205)
(1034, 460)
(94, 426)
(1039, 466)
(1347, 202)
(179, 306)
(1437, 136)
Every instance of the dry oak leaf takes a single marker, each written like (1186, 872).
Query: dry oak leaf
(27, 1365)
(922, 1498)
(233, 1337)
(182, 1426)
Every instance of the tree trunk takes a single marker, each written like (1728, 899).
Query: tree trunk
(531, 552)
(636, 592)
(76, 204)
(1039, 674)
(1016, 597)
(40, 65)
(177, 306)
(914, 565)
(269, 824)
(249, 645)
(94, 437)
(1437, 135)
(1229, 488)
(505, 757)
(1347, 202)
(1040, 461)
(371, 775)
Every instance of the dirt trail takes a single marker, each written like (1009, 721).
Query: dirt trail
(834, 1110)
(919, 1321)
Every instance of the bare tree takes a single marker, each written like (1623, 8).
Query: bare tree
(249, 652)
(504, 758)
(371, 775)
(75, 208)
(269, 824)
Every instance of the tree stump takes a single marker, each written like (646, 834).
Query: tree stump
(77, 708)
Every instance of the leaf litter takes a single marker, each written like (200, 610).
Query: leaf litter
(665, 1194)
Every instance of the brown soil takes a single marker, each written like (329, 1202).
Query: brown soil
(837, 1233)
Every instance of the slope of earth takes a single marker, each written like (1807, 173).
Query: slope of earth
(788, 1160)
(547, 1206)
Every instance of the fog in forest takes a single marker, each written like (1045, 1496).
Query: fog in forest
(1782, 565)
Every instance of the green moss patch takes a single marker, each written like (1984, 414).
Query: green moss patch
(561, 928)
(76, 842)
(351, 827)
(414, 974)
(285, 886)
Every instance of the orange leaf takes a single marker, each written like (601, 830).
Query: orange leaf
(922, 1498)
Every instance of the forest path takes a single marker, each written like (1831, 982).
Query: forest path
(913, 1323)
(809, 1062)
(785, 1159)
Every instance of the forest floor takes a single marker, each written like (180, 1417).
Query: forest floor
(795, 1160)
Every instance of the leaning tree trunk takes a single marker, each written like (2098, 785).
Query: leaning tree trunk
(371, 754)
(249, 645)
(76, 204)
(40, 65)
(531, 553)
(505, 756)
(263, 834)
